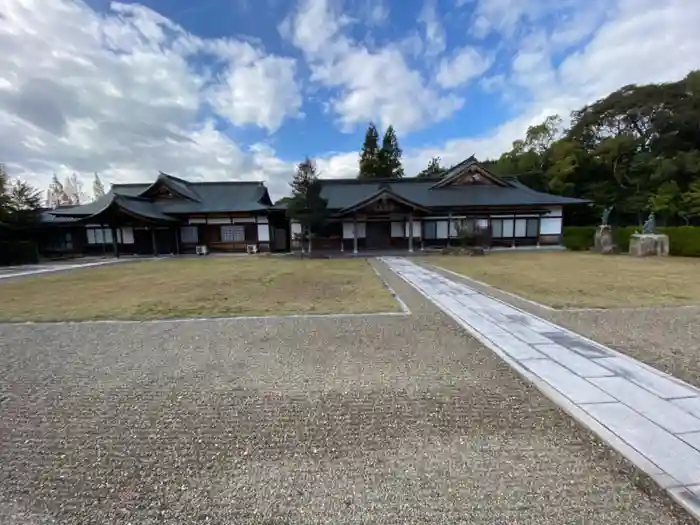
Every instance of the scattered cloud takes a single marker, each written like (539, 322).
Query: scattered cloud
(127, 91)
(465, 64)
(435, 37)
(119, 94)
(368, 84)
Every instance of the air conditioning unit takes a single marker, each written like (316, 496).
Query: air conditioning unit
(202, 249)
(251, 248)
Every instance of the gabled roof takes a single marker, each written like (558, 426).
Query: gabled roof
(384, 192)
(185, 198)
(177, 186)
(470, 164)
(439, 192)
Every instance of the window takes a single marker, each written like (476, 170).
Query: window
(430, 230)
(189, 234)
(507, 228)
(533, 227)
(496, 228)
(235, 233)
(520, 227)
(99, 236)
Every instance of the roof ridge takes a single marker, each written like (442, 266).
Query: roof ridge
(386, 180)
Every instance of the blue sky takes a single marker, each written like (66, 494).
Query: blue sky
(241, 89)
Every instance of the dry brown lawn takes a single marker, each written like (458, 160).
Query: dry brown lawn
(210, 287)
(584, 280)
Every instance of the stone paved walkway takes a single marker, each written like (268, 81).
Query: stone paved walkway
(651, 418)
(36, 269)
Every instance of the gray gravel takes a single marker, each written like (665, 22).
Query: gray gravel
(355, 420)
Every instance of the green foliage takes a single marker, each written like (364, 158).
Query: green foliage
(369, 156)
(306, 204)
(384, 162)
(434, 169)
(19, 200)
(638, 148)
(18, 252)
(622, 237)
(390, 156)
(684, 240)
(579, 238)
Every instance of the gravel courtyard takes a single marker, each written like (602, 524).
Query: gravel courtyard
(355, 420)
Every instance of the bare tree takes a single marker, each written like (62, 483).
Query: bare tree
(98, 189)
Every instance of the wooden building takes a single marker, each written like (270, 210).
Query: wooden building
(174, 216)
(417, 213)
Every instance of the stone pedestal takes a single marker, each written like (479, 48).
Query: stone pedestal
(649, 244)
(603, 242)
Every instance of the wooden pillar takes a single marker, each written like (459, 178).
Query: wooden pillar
(115, 243)
(153, 241)
(410, 233)
(104, 240)
(342, 236)
(449, 228)
(177, 240)
(354, 235)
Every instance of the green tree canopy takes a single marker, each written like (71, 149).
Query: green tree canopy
(638, 148)
(390, 156)
(434, 169)
(306, 204)
(369, 155)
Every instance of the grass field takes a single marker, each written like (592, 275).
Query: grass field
(584, 280)
(210, 287)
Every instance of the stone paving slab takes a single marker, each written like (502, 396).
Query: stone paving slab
(37, 269)
(643, 413)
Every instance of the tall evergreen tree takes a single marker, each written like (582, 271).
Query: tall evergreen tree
(306, 204)
(369, 156)
(390, 156)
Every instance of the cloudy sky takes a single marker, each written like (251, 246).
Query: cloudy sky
(244, 89)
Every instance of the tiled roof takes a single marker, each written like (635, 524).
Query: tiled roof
(197, 197)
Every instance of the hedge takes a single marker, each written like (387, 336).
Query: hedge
(579, 238)
(684, 240)
(18, 252)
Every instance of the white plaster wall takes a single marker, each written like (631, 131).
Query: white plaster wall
(442, 229)
(349, 233)
(553, 225)
(219, 220)
(296, 228)
(263, 233)
(397, 229)
(127, 235)
(416, 229)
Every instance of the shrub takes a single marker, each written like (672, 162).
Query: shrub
(684, 240)
(622, 237)
(579, 238)
(18, 252)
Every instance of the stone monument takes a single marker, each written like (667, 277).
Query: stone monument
(603, 241)
(648, 242)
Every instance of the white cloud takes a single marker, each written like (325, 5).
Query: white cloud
(640, 41)
(117, 93)
(259, 90)
(435, 38)
(465, 64)
(369, 84)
